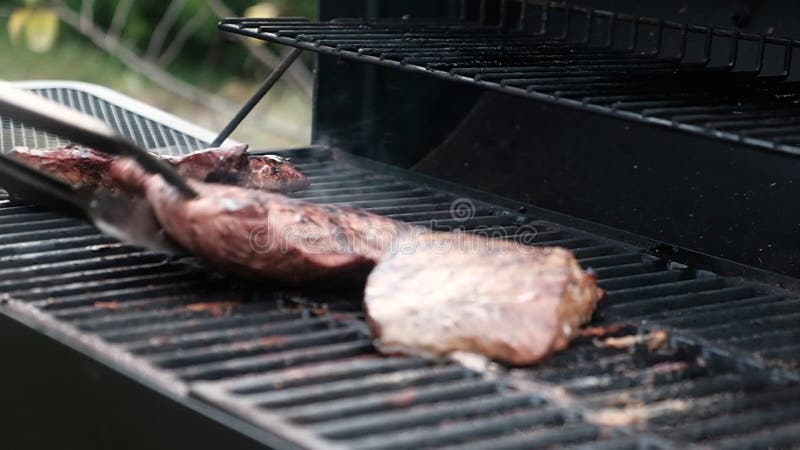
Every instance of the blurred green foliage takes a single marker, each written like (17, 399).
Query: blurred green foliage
(210, 60)
(207, 46)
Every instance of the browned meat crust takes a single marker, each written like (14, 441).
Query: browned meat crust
(232, 165)
(275, 174)
(502, 300)
(263, 235)
(218, 165)
(235, 167)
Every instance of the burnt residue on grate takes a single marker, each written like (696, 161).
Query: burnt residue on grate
(612, 396)
(683, 367)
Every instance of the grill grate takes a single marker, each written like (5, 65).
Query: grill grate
(268, 355)
(302, 364)
(716, 83)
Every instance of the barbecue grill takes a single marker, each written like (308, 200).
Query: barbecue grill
(658, 149)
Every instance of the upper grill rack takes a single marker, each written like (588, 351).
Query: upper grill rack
(716, 83)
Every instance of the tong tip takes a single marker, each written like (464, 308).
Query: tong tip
(157, 166)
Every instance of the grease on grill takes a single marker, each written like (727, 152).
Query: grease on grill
(653, 340)
(272, 341)
(637, 414)
(110, 306)
(215, 309)
(605, 331)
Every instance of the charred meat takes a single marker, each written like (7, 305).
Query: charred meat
(232, 165)
(502, 300)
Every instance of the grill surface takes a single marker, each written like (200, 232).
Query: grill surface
(716, 83)
(301, 363)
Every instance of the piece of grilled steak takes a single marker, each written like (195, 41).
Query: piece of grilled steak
(223, 165)
(451, 292)
(231, 165)
(74, 165)
(266, 236)
(234, 166)
(275, 174)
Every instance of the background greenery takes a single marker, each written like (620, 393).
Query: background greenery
(210, 60)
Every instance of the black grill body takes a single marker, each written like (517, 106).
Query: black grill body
(596, 126)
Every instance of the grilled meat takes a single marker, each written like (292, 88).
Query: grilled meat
(76, 166)
(429, 292)
(222, 165)
(266, 236)
(500, 299)
(233, 165)
(275, 174)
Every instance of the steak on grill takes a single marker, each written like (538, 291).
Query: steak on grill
(224, 164)
(275, 174)
(232, 165)
(429, 292)
(76, 166)
(266, 236)
(452, 292)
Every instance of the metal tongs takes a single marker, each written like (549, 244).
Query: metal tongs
(77, 127)
(123, 217)
(128, 219)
